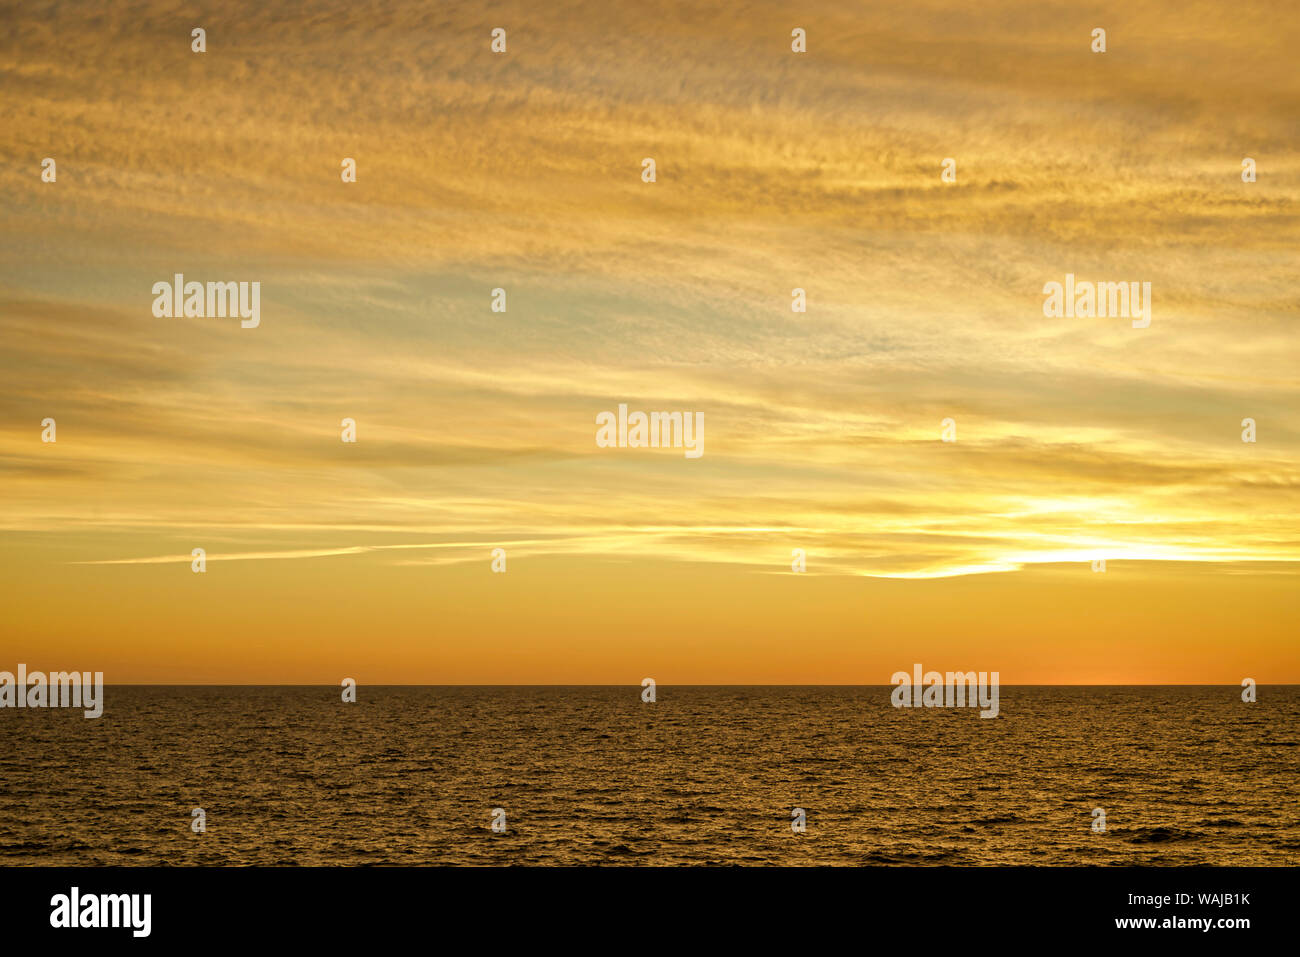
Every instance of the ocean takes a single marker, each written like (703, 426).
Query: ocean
(704, 775)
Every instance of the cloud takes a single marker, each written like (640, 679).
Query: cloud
(776, 171)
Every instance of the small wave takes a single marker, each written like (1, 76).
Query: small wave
(1159, 835)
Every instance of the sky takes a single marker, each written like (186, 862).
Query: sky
(1076, 439)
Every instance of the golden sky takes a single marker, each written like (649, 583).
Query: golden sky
(1076, 438)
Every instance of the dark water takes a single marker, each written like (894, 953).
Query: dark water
(410, 775)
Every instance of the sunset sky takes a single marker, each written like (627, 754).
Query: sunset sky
(1077, 439)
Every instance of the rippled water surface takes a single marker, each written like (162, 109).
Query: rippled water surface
(410, 775)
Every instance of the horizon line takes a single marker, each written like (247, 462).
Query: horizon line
(213, 684)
